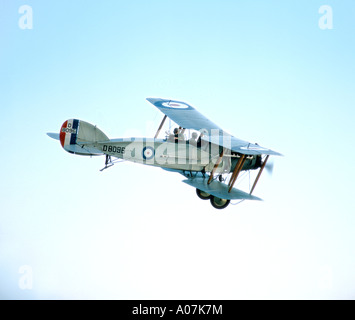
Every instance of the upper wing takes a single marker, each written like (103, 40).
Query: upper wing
(188, 117)
(183, 114)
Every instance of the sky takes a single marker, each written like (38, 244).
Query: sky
(279, 73)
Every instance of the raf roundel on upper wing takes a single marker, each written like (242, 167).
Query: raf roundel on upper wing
(183, 114)
(175, 105)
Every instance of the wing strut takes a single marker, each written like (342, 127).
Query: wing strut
(161, 125)
(236, 171)
(215, 166)
(259, 174)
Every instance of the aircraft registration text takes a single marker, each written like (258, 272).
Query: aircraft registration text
(113, 149)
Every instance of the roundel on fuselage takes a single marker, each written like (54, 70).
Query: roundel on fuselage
(148, 153)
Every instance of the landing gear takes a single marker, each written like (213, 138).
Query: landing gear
(108, 163)
(216, 202)
(202, 195)
(219, 203)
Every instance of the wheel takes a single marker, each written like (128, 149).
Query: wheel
(219, 203)
(202, 195)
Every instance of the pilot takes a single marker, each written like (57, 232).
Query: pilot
(202, 143)
(178, 135)
(172, 136)
(193, 139)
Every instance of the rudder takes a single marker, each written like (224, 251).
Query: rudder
(80, 137)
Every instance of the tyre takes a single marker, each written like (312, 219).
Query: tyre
(219, 203)
(202, 195)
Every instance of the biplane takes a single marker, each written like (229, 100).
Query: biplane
(209, 159)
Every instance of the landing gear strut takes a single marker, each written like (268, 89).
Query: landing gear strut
(108, 162)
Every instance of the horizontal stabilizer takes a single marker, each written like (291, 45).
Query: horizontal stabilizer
(53, 135)
(219, 189)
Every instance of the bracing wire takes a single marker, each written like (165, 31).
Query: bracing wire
(234, 204)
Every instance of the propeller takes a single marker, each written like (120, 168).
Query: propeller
(269, 167)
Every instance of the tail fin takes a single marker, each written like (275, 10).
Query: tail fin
(80, 137)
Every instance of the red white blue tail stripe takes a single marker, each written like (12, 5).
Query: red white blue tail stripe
(68, 132)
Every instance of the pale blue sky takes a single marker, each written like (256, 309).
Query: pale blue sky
(263, 70)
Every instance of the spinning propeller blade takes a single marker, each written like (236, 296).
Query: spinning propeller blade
(269, 167)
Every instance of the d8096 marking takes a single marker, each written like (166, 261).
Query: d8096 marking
(113, 149)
